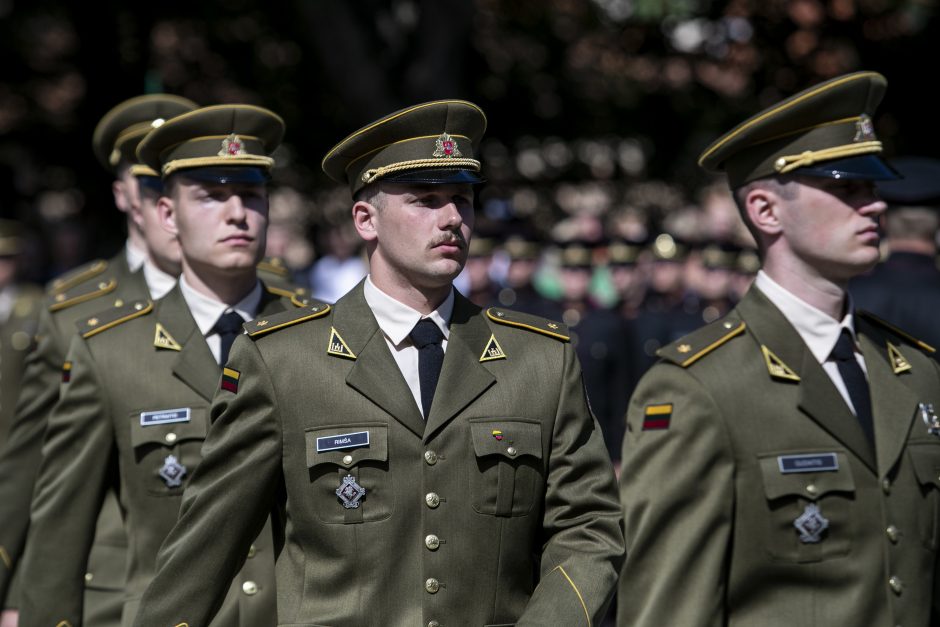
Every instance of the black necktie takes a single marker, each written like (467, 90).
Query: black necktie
(855, 382)
(427, 337)
(228, 326)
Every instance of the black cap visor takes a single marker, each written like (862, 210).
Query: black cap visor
(228, 174)
(436, 176)
(151, 182)
(865, 167)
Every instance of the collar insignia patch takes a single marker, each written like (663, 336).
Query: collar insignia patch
(776, 367)
(493, 350)
(163, 339)
(899, 363)
(338, 346)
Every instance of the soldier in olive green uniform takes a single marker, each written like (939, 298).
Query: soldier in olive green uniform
(71, 297)
(19, 311)
(486, 498)
(138, 380)
(781, 464)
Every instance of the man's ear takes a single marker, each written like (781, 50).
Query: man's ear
(166, 209)
(364, 217)
(763, 208)
(119, 190)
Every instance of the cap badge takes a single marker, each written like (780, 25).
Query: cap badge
(232, 146)
(446, 147)
(864, 129)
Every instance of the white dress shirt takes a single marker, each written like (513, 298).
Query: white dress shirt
(159, 283)
(206, 312)
(135, 256)
(819, 330)
(397, 321)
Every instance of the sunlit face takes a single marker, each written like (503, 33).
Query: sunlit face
(163, 247)
(220, 226)
(420, 233)
(832, 226)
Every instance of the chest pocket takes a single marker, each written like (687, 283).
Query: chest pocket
(925, 457)
(365, 463)
(509, 474)
(825, 498)
(167, 453)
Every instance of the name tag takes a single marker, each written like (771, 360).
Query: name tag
(343, 440)
(164, 416)
(816, 462)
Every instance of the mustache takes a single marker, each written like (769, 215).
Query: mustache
(449, 238)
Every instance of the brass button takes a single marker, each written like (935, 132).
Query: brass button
(812, 489)
(252, 551)
(433, 623)
(430, 457)
(886, 486)
(432, 499)
(89, 577)
(250, 588)
(432, 585)
(896, 585)
(432, 542)
(728, 324)
(170, 437)
(511, 450)
(893, 533)
(347, 459)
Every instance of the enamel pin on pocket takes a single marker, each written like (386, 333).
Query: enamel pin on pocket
(172, 472)
(350, 493)
(811, 523)
(930, 419)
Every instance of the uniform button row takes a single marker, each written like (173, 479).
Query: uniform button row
(170, 437)
(252, 551)
(430, 457)
(432, 542)
(433, 623)
(432, 585)
(893, 533)
(896, 585)
(250, 588)
(886, 486)
(432, 499)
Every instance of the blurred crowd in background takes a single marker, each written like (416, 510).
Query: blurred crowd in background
(595, 212)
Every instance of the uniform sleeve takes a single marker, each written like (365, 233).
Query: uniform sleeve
(19, 462)
(73, 477)
(676, 485)
(583, 546)
(225, 504)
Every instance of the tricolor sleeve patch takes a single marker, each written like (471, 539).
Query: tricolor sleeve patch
(230, 378)
(656, 417)
(66, 372)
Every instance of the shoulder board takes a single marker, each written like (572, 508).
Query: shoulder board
(262, 326)
(910, 339)
(689, 349)
(111, 318)
(79, 275)
(84, 292)
(544, 326)
(273, 265)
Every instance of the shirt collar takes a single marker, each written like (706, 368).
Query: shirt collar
(818, 329)
(206, 311)
(397, 319)
(135, 256)
(158, 281)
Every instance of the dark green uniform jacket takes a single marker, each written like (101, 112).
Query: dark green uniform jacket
(753, 497)
(134, 411)
(501, 509)
(71, 298)
(17, 333)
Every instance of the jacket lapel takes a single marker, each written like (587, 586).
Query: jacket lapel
(374, 373)
(194, 365)
(463, 377)
(894, 405)
(818, 397)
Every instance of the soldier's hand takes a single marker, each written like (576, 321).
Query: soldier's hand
(9, 618)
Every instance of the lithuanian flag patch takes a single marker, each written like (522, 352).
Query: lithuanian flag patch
(230, 378)
(657, 417)
(66, 372)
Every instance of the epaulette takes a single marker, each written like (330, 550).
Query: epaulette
(78, 275)
(85, 291)
(544, 326)
(261, 326)
(110, 318)
(910, 339)
(689, 349)
(273, 265)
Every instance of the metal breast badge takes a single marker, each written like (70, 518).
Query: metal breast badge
(811, 523)
(930, 419)
(172, 472)
(350, 493)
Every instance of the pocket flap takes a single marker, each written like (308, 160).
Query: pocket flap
(347, 444)
(926, 459)
(509, 437)
(781, 480)
(185, 423)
